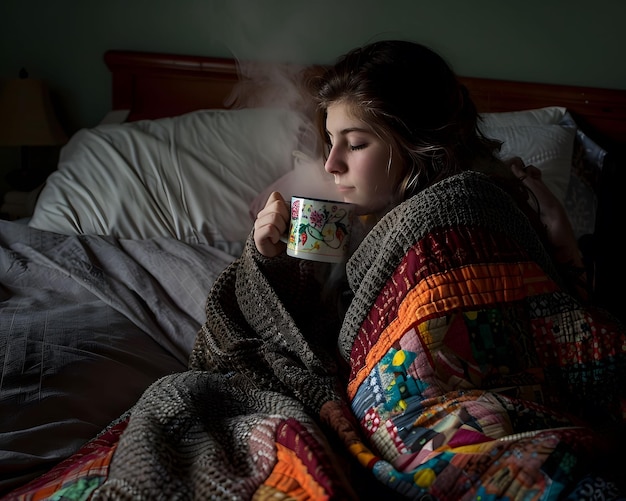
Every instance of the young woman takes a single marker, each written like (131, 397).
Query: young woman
(395, 120)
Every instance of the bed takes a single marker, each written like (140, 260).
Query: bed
(104, 285)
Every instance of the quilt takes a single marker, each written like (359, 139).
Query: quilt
(463, 369)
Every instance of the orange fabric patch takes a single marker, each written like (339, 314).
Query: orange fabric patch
(291, 477)
(466, 288)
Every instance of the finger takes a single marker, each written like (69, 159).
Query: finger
(276, 213)
(518, 169)
(274, 216)
(275, 205)
(516, 163)
(275, 196)
(269, 233)
(533, 172)
(273, 230)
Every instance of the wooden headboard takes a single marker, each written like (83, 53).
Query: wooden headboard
(154, 85)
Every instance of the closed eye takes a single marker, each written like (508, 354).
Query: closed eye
(358, 147)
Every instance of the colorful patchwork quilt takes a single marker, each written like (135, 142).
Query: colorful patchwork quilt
(463, 370)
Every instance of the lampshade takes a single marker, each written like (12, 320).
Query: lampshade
(26, 115)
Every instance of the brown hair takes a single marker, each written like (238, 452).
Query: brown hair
(413, 100)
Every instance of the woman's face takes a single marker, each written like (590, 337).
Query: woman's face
(365, 168)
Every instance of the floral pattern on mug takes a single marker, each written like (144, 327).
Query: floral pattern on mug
(328, 226)
(319, 229)
(295, 209)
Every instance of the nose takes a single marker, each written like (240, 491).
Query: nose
(334, 163)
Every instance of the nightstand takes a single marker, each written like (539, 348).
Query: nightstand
(20, 185)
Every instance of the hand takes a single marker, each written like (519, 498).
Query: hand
(551, 213)
(271, 222)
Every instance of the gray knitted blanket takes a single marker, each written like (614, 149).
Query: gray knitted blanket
(460, 370)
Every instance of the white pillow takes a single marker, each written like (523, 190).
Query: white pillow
(191, 177)
(551, 115)
(538, 138)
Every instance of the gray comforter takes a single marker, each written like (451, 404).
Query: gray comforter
(86, 324)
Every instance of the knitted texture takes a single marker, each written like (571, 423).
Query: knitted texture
(264, 405)
(468, 199)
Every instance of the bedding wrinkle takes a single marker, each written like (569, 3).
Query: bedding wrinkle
(7, 351)
(89, 322)
(178, 189)
(136, 179)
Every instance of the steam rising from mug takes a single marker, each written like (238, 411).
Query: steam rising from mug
(271, 59)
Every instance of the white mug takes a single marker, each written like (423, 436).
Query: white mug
(319, 230)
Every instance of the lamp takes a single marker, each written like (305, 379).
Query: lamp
(27, 119)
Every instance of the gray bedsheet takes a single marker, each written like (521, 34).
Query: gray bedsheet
(86, 324)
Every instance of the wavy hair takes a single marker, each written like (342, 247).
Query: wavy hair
(412, 100)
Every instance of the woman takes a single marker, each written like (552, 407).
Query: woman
(462, 366)
(397, 104)
(397, 121)
(408, 106)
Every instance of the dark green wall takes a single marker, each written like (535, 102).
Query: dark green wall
(62, 41)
